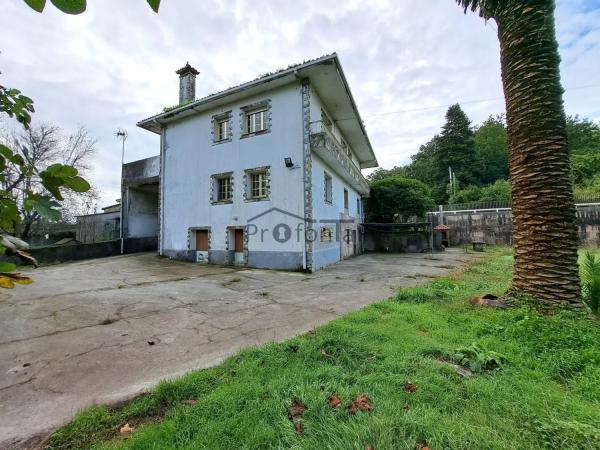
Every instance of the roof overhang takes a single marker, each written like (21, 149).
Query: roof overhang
(327, 78)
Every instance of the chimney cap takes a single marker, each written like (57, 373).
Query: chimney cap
(186, 69)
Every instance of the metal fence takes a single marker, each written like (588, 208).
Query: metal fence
(507, 204)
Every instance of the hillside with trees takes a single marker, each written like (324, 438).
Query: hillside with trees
(478, 157)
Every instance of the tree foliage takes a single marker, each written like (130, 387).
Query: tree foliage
(397, 199)
(498, 191)
(74, 6)
(491, 146)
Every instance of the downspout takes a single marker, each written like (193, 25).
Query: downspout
(161, 183)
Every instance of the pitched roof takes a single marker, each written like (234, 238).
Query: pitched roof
(331, 85)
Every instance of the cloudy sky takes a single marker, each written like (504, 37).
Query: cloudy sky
(406, 61)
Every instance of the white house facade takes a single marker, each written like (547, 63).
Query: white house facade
(266, 174)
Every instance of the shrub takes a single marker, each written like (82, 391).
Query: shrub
(478, 359)
(591, 281)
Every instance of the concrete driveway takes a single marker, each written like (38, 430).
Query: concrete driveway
(104, 330)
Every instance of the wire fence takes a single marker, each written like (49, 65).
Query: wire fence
(507, 204)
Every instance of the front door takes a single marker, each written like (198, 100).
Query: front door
(239, 241)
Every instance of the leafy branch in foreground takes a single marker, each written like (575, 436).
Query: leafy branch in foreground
(16, 167)
(74, 6)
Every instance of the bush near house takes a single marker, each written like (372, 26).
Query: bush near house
(375, 378)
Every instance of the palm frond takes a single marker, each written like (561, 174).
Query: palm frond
(486, 8)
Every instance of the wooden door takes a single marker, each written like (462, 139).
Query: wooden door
(202, 240)
(239, 241)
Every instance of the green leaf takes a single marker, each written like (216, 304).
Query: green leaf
(44, 206)
(70, 6)
(154, 4)
(10, 155)
(77, 184)
(61, 171)
(37, 5)
(7, 266)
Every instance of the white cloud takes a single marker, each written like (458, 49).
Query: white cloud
(114, 65)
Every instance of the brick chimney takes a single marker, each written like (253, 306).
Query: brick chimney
(187, 83)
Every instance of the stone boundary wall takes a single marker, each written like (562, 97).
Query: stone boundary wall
(494, 227)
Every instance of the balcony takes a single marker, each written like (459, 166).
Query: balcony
(324, 143)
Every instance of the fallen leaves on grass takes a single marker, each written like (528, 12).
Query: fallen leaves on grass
(190, 402)
(295, 411)
(299, 427)
(410, 387)
(125, 429)
(422, 446)
(361, 402)
(334, 401)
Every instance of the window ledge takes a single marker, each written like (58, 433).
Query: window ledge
(257, 133)
(261, 199)
(221, 202)
(223, 141)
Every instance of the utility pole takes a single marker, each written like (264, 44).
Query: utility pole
(122, 134)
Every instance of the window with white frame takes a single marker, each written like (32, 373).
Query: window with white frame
(258, 184)
(222, 128)
(224, 186)
(328, 188)
(256, 120)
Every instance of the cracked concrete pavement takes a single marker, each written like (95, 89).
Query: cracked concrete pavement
(105, 330)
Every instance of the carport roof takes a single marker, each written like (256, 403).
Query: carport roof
(325, 74)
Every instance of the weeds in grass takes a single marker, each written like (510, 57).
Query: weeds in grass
(478, 359)
(591, 281)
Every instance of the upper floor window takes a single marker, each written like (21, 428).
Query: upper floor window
(256, 121)
(256, 118)
(222, 128)
(346, 200)
(222, 188)
(257, 184)
(328, 188)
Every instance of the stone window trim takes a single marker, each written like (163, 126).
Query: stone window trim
(214, 188)
(227, 115)
(249, 109)
(248, 188)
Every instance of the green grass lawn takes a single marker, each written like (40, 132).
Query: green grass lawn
(547, 394)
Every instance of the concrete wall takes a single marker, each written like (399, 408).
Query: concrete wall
(495, 227)
(191, 157)
(98, 227)
(141, 219)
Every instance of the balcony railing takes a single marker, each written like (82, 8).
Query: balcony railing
(328, 146)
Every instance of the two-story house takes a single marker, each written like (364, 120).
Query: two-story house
(265, 174)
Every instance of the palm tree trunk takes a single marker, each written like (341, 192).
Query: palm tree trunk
(544, 228)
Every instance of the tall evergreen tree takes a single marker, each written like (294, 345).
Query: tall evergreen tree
(491, 145)
(456, 150)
